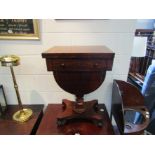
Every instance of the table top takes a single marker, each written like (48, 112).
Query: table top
(10, 127)
(79, 52)
(48, 125)
(79, 49)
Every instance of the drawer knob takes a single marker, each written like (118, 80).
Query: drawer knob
(62, 65)
(96, 65)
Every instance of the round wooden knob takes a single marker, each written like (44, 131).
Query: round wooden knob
(62, 65)
(96, 65)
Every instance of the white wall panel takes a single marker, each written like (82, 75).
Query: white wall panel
(31, 82)
(37, 86)
(78, 26)
(109, 39)
(35, 97)
(21, 47)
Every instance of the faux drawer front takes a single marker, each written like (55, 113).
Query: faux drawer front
(78, 65)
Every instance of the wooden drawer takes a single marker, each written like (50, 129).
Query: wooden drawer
(78, 65)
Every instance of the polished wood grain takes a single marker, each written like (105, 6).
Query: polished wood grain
(9, 127)
(79, 70)
(78, 58)
(131, 96)
(78, 50)
(76, 66)
(48, 125)
(127, 97)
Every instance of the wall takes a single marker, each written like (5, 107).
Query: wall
(37, 86)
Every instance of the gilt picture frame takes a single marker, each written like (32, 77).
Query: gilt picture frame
(19, 29)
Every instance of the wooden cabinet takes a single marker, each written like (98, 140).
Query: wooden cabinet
(142, 63)
(79, 70)
(139, 65)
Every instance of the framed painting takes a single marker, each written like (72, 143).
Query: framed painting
(19, 29)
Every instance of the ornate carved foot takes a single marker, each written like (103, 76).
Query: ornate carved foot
(91, 113)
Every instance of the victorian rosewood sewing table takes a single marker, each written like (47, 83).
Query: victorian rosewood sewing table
(48, 125)
(79, 70)
(10, 127)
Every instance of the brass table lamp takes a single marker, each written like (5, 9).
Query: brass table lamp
(23, 114)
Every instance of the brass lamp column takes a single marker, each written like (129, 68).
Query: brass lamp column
(23, 114)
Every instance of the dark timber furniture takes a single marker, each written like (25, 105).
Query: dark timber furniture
(139, 65)
(79, 70)
(9, 127)
(128, 110)
(48, 125)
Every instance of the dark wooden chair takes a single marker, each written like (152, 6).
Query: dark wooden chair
(128, 110)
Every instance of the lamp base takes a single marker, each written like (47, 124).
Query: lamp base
(22, 115)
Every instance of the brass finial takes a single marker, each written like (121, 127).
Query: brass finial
(10, 60)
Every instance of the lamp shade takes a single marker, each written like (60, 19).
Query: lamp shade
(139, 47)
